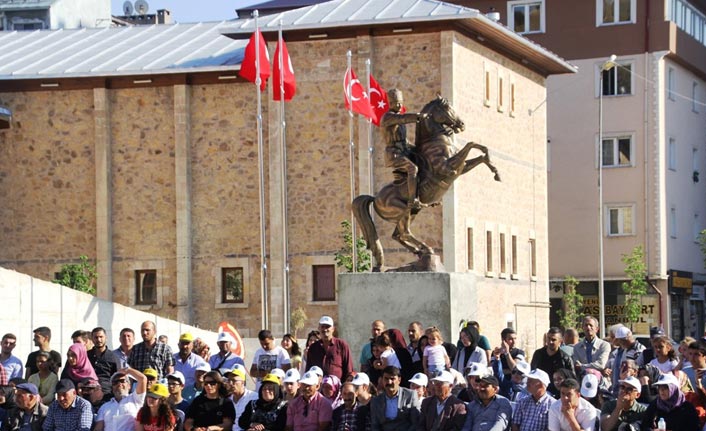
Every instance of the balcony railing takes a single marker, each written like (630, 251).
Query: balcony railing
(688, 18)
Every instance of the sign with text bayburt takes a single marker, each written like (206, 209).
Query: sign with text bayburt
(615, 313)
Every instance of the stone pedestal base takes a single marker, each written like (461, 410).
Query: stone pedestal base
(440, 299)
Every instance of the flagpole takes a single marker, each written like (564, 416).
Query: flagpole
(283, 175)
(354, 257)
(261, 167)
(371, 178)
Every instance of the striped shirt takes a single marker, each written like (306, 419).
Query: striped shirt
(158, 357)
(531, 415)
(78, 417)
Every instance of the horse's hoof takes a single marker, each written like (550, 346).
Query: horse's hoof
(497, 177)
(376, 269)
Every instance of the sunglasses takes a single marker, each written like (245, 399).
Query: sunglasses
(119, 382)
(210, 383)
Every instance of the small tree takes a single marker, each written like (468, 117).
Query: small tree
(702, 245)
(570, 316)
(297, 320)
(343, 256)
(78, 276)
(636, 270)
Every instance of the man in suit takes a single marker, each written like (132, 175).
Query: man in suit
(443, 411)
(591, 352)
(397, 408)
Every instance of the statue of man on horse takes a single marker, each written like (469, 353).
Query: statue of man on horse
(422, 173)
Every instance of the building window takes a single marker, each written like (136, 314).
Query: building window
(513, 252)
(615, 11)
(533, 257)
(512, 99)
(617, 81)
(324, 277)
(695, 96)
(672, 154)
(620, 220)
(146, 287)
(489, 251)
(673, 222)
(486, 96)
(503, 263)
(671, 83)
(232, 291)
(501, 99)
(617, 151)
(526, 16)
(469, 247)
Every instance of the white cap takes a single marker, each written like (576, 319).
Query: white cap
(326, 320)
(291, 376)
(622, 332)
(444, 377)
(178, 376)
(666, 379)
(634, 382)
(360, 379)
(478, 369)
(589, 386)
(420, 379)
(309, 378)
(316, 370)
(224, 336)
(203, 367)
(278, 372)
(523, 367)
(540, 375)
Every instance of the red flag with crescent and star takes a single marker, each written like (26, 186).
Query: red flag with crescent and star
(360, 102)
(378, 100)
(288, 80)
(248, 68)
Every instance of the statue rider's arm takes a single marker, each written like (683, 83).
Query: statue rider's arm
(393, 118)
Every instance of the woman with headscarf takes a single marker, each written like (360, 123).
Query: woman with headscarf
(78, 367)
(671, 406)
(331, 390)
(268, 411)
(403, 356)
(470, 352)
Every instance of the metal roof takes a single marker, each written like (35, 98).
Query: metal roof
(115, 51)
(370, 13)
(25, 4)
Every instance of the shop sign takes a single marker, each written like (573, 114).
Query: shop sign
(680, 282)
(615, 313)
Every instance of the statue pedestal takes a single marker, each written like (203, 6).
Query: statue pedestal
(432, 298)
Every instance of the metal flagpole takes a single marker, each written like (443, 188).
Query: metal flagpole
(371, 178)
(261, 168)
(352, 154)
(283, 175)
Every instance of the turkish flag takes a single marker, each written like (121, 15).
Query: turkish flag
(378, 100)
(248, 68)
(360, 102)
(290, 84)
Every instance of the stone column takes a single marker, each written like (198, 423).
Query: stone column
(182, 171)
(104, 236)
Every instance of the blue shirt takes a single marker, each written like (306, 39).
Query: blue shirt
(13, 367)
(78, 417)
(391, 406)
(531, 415)
(495, 416)
(216, 361)
(188, 367)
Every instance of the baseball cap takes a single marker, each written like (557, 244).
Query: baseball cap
(158, 390)
(589, 386)
(361, 379)
(89, 382)
(523, 367)
(30, 388)
(540, 375)
(150, 372)
(278, 372)
(203, 367)
(186, 336)
(420, 379)
(326, 320)
(224, 336)
(64, 385)
(479, 370)
(655, 331)
(634, 382)
(177, 375)
(309, 378)
(291, 376)
(271, 378)
(444, 377)
(665, 379)
(236, 372)
(622, 332)
(490, 379)
(316, 370)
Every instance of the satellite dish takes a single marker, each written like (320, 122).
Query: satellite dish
(127, 8)
(141, 7)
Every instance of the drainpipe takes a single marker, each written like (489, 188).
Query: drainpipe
(661, 321)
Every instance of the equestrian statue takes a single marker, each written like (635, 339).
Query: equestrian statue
(422, 174)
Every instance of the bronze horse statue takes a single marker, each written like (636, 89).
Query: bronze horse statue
(438, 169)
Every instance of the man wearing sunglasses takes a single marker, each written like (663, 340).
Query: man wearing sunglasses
(119, 413)
(625, 409)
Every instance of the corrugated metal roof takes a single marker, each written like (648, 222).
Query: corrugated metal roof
(136, 50)
(25, 4)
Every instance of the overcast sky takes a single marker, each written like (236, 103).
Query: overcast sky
(192, 10)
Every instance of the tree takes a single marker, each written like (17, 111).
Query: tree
(78, 276)
(343, 256)
(297, 320)
(702, 244)
(570, 316)
(636, 270)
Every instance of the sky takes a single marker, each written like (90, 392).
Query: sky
(192, 10)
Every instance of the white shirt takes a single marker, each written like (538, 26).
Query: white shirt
(585, 415)
(240, 406)
(391, 357)
(120, 416)
(267, 360)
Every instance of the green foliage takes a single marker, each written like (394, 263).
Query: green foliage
(570, 316)
(297, 320)
(78, 276)
(343, 257)
(702, 244)
(636, 270)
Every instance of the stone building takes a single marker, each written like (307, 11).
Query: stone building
(146, 160)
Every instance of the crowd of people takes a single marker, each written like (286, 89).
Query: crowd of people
(421, 383)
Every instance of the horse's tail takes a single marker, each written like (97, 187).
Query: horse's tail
(361, 211)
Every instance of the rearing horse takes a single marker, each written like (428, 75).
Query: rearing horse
(438, 169)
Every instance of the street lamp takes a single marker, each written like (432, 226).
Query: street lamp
(606, 66)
